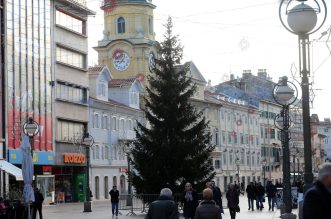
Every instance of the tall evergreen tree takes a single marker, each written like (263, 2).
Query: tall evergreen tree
(176, 147)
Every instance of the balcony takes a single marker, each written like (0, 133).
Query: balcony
(126, 135)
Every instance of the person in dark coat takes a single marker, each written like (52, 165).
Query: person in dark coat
(208, 208)
(259, 196)
(232, 195)
(251, 195)
(317, 200)
(164, 207)
(271, 194)
(114, 199)
(38, 204)
(190, 200)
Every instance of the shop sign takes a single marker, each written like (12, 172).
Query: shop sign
(47, 170)
(74, 158)
(123, 170)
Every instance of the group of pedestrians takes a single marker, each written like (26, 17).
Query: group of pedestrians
(256, 192)
(210, 207)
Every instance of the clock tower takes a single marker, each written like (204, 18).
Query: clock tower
(128, 46)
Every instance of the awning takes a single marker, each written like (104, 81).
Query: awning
(11, 169)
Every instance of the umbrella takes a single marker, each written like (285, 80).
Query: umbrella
(27, 171)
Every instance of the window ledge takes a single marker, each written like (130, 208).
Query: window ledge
(68, 101)
(71, 66)
(71, 31)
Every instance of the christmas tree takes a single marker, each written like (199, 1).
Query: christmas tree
(175, 146)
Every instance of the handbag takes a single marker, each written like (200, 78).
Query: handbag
(238, 209)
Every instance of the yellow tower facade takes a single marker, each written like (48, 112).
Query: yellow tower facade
(128, 46)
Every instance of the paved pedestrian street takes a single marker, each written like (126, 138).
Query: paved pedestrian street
(102, 210)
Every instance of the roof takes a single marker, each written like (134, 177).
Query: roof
(95, 69)
(113, 102)
(79, 5)
(121, 82)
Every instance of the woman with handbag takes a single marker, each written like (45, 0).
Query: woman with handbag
(232, 196)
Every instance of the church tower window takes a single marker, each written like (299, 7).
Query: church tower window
(120, 25)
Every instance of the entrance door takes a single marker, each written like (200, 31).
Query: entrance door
(45, 183)
(106, 187)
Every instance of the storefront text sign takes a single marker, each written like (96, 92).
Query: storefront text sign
(74, 158)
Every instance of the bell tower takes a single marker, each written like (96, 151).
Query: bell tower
(128, 45)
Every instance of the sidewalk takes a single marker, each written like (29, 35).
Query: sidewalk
(102, 210)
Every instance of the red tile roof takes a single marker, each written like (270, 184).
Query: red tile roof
(121, 82)
(95, 69)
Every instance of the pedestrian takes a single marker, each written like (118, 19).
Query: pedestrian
(259, 196)
(114, 199)
(236, 186)
(271, 194)
(208, 208)
(317, 200)
(38, 203)
(190, 200)
(217, 194)
(164, 207)
(251, 195)
(242, 187)
(232, 196)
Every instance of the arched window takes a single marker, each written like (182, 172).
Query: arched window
(106, 187)
(120, 25)
(114, 181)
(113, 123)
(150, 25)
(122, 124)
(97, 187)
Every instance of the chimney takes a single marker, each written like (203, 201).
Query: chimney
(247, 73)
(262, 73)
(231, 77)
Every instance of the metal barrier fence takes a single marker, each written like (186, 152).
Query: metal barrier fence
(140, 202)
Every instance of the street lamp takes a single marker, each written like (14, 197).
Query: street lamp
(302, 20)
(285, 93)
(238, 164)
(264, 164)
(88, 140)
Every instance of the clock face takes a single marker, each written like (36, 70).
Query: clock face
(121, 60)
(151, 62)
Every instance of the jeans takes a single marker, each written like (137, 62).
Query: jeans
(251, 203)
(259, 203)
(271, 202)
(114, 208)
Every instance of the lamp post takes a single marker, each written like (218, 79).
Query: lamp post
(88, 140)
(238, 170)
(264, 164)
(302, 20)
(285, 94)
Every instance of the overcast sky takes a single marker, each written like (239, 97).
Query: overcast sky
(223, 37)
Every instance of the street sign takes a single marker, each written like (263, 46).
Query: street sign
(30, 128)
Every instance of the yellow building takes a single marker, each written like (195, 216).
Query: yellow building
(128, 46)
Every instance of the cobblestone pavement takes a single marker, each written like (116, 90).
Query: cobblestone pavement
(102, 210)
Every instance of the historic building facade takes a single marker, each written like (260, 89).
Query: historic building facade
(114, 111)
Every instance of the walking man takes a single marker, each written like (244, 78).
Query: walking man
(271, 194)
(251, 195)
(317, 201)
(38, 204)
(232, 195)
(114, 194)
(164, 207)
(259, 196)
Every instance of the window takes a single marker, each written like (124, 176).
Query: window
(223, 137)
(71, 92)
(216, 136)
(222, 115)
(102, 89)
(253, 160)
(130, 124)
(150, 25)
(241, 138)
(96, 122)
(113, 123)
(102, 152)
(107, 153)
(217, 164)
(70, 22)
(224, 158)
(97, 152)
(272, 134)
(70, 57)
(229, 137)
(262, 132)
(247, 159)
(242, 159)
(120, 25)
(93, 153)
(122, 124)
(69, 131)
(231, 159)
(105, 122)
